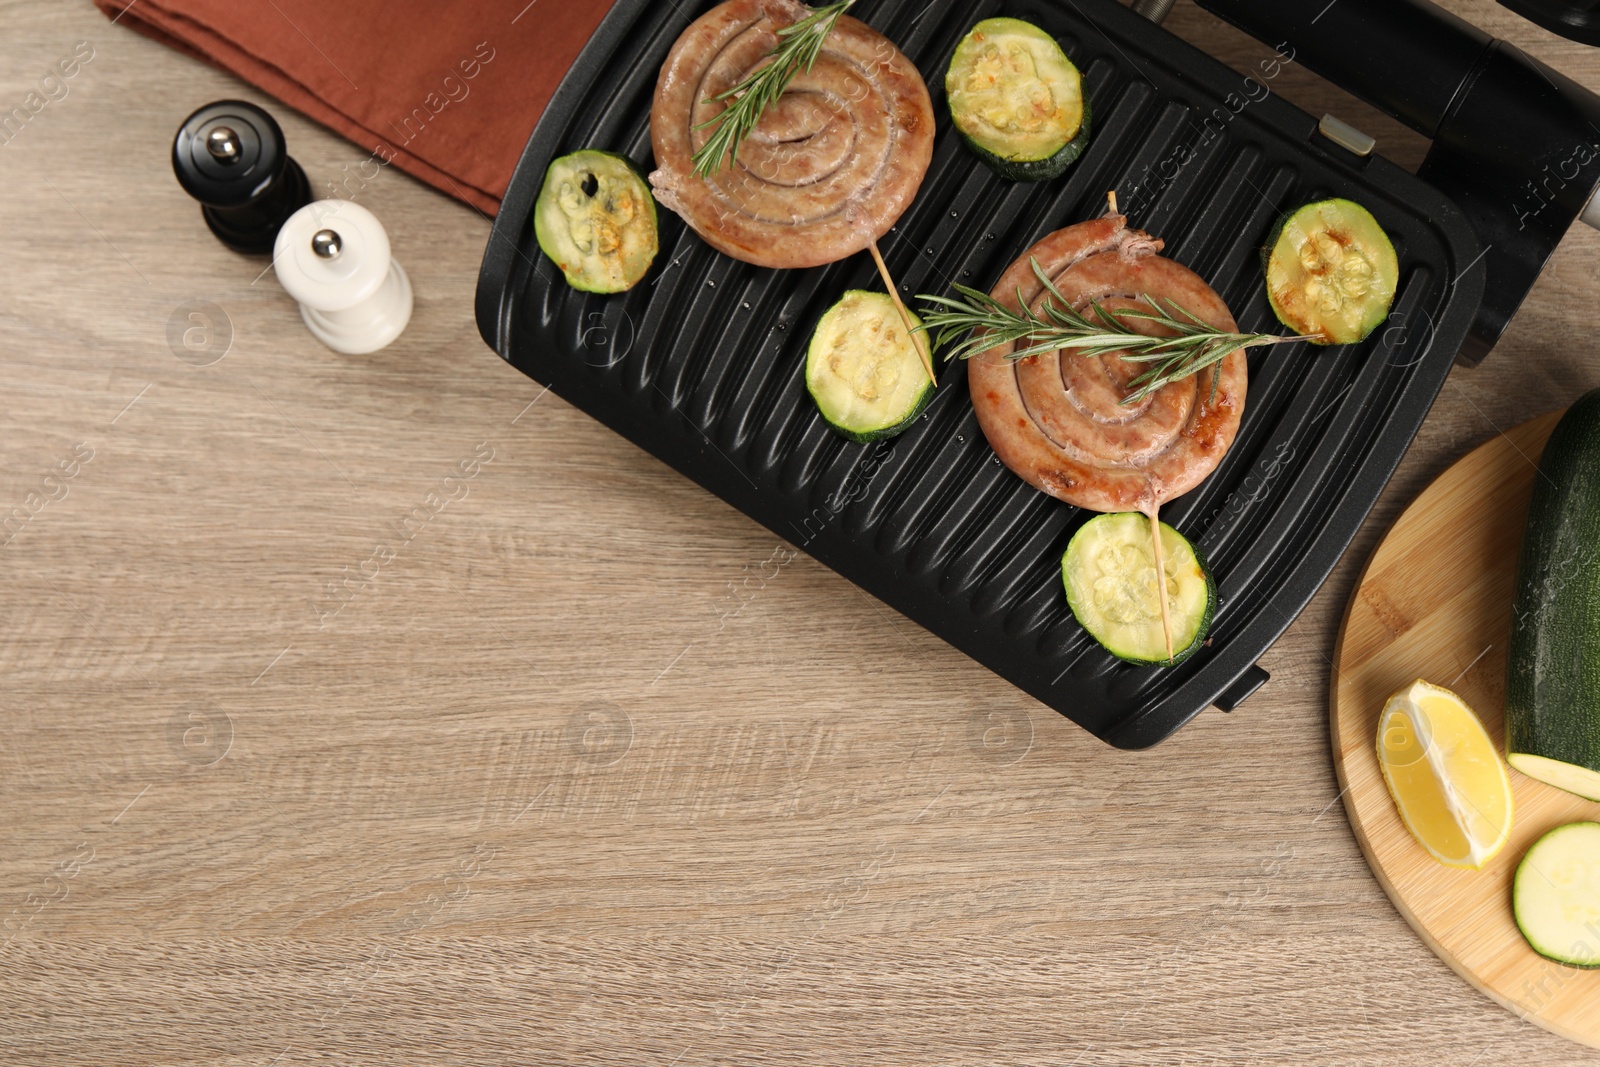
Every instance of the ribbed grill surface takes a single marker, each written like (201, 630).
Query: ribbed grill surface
(703, 363)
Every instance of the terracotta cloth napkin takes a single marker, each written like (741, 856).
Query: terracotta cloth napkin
(446, 90)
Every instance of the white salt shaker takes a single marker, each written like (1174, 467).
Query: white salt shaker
(333, 257)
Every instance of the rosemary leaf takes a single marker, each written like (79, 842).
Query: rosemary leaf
(975, 322)
(799, 44)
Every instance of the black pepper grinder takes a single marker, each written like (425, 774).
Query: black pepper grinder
(231, 157)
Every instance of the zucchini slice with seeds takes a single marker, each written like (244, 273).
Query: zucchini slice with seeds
(1556, 895)
(1017, 100)
(1331, 272)
(864, 370)
(597, 220)
(1110, 574)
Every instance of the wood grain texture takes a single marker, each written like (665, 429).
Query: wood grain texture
(1464, 533)
(588, 773)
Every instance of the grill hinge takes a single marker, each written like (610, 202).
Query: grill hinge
(1346, 136)
(1154, 10)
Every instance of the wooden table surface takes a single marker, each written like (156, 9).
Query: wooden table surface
(591, 771)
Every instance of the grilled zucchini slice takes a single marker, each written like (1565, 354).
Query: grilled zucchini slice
(596, 220)
(1017, 100)
(863, 369)
(1110, 574)
(1331, 272)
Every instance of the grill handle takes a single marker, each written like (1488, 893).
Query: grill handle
(1515, 144)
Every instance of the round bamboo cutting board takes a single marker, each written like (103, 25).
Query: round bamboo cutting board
(1435, 603)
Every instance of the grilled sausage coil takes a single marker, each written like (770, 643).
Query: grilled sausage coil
(1058, 420)
(832, 164)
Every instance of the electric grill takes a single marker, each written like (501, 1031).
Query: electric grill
(702, 364)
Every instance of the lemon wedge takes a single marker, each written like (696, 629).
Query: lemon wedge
(1445, 775)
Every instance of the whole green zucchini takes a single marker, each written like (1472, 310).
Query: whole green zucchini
(1553, 673)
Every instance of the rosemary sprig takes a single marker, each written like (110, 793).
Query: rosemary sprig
(799, 44)
(987, 323)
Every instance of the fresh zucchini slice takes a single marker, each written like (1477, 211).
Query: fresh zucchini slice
(1582, 781)
(864, 370)
(1110, 575)
(1017, 100)
(597, 220)
(1556, 895)
(1331, 272)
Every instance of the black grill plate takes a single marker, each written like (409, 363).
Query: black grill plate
(702, 363)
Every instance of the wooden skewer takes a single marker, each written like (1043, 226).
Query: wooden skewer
(918, 339)
(1161, 577)
(1154, 515)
